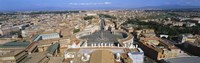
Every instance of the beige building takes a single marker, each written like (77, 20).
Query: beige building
(158, 49)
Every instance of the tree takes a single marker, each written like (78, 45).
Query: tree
(76, 30)
(88, 17)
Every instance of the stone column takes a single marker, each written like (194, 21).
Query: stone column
(92, 44)
(117, 45)
(99, 44)
(112, 45)
(95, 44)
(136, 46)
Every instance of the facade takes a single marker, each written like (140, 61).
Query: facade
(190, 24)
(137, 57)
(27, 33)
(197, 19)
(147, 33)
(178, 24)
(186, 38)
(189, 43)
(9, 30)
(192, 48)
(1, 32)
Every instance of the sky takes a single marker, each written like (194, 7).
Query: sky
(17, 5)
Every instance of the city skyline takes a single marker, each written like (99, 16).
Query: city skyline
(32, 5)
(101, 36)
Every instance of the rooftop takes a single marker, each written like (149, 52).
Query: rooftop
(11, 53)
(157, 43)
(102, 56)
(40, 36)
(53, 48)
(14, 44)
(35, 57)
(56, 60)
(193, 59)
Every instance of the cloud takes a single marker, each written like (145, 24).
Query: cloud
(100, 3)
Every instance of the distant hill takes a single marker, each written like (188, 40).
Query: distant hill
(164, 7)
